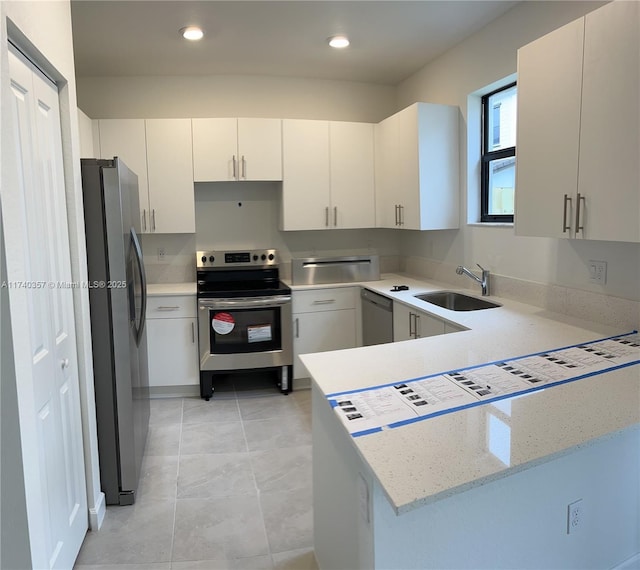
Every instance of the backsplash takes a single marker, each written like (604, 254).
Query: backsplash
(606, 309)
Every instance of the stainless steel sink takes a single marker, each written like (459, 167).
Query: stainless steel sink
(456, 301)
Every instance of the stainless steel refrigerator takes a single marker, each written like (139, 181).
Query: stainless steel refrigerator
(117, 294)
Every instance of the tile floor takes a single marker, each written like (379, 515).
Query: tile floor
(226, 485)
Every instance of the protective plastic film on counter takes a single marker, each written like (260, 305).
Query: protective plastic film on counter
(394, 405)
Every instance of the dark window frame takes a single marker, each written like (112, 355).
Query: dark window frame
(487, 157)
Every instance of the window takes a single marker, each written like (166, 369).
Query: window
(498, 154)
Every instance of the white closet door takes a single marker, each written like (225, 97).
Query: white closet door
(43, 325)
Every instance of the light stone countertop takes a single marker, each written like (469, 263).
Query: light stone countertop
(428, 460)
(170, 289)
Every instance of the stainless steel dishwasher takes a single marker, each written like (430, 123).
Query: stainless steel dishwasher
(377, 318)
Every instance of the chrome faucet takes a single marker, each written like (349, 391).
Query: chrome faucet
(484, 280)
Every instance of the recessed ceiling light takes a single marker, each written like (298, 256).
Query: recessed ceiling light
(338, 41)
(192, 33)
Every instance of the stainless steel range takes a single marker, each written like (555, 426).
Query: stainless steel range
(244, 316)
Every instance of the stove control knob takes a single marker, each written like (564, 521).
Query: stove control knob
(271, 257)
(263, 257)
(211, 258)
(204, 259)
(255, 257)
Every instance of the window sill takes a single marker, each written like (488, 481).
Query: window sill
(490, 224)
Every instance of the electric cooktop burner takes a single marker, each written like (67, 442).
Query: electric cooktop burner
(249, 273)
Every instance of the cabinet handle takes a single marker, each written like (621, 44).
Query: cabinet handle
(578, 199)
(193, 333)
(323, 302)
(326, 216)
(565, 227)
(144, 220)
(233, 161)
(418, 327)
(297, 327)
(411, 331)
(244, 168)
(153, 219)
(396, 207)
(401, 210)
(168, 308)
(335, 215)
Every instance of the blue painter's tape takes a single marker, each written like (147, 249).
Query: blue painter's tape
(366, 432)
(502, 397)
(473, 367)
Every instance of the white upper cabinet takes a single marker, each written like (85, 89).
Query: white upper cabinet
(417, 168)
(306, 174)
(237, 149)
(352, 175)
(159, 152)
(170, 164)
(328, 175)
(608, 174)
(549, 88)
(126, 139)
(578, 129)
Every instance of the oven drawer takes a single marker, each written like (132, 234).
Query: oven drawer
(329, 299)
(171, 307)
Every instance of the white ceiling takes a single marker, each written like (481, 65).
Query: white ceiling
(390, 40)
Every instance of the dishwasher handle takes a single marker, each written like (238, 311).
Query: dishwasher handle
(377, 299)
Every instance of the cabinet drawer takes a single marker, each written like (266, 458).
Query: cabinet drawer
(171, 307)
(311, 301)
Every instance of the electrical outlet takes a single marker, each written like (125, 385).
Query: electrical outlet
(575, 516)
(161, 253)
(598, 272)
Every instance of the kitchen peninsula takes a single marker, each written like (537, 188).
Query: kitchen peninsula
(486, 486)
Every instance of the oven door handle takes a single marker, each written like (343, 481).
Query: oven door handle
(245, 302)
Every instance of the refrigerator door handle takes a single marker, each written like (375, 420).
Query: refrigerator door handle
(137, 249)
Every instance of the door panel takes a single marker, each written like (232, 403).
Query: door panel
(306, 175)
(609, 172)
(352, 174)
(126, 139)
(548, 131)
(260, 149)
(46, 365)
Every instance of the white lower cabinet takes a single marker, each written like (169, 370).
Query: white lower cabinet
(411, 323)
(323, 319)
(172, 341)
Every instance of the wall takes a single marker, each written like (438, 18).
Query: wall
(43, 31)
(85, 127)
(456, 77)
(233, 96)
(14, 533)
